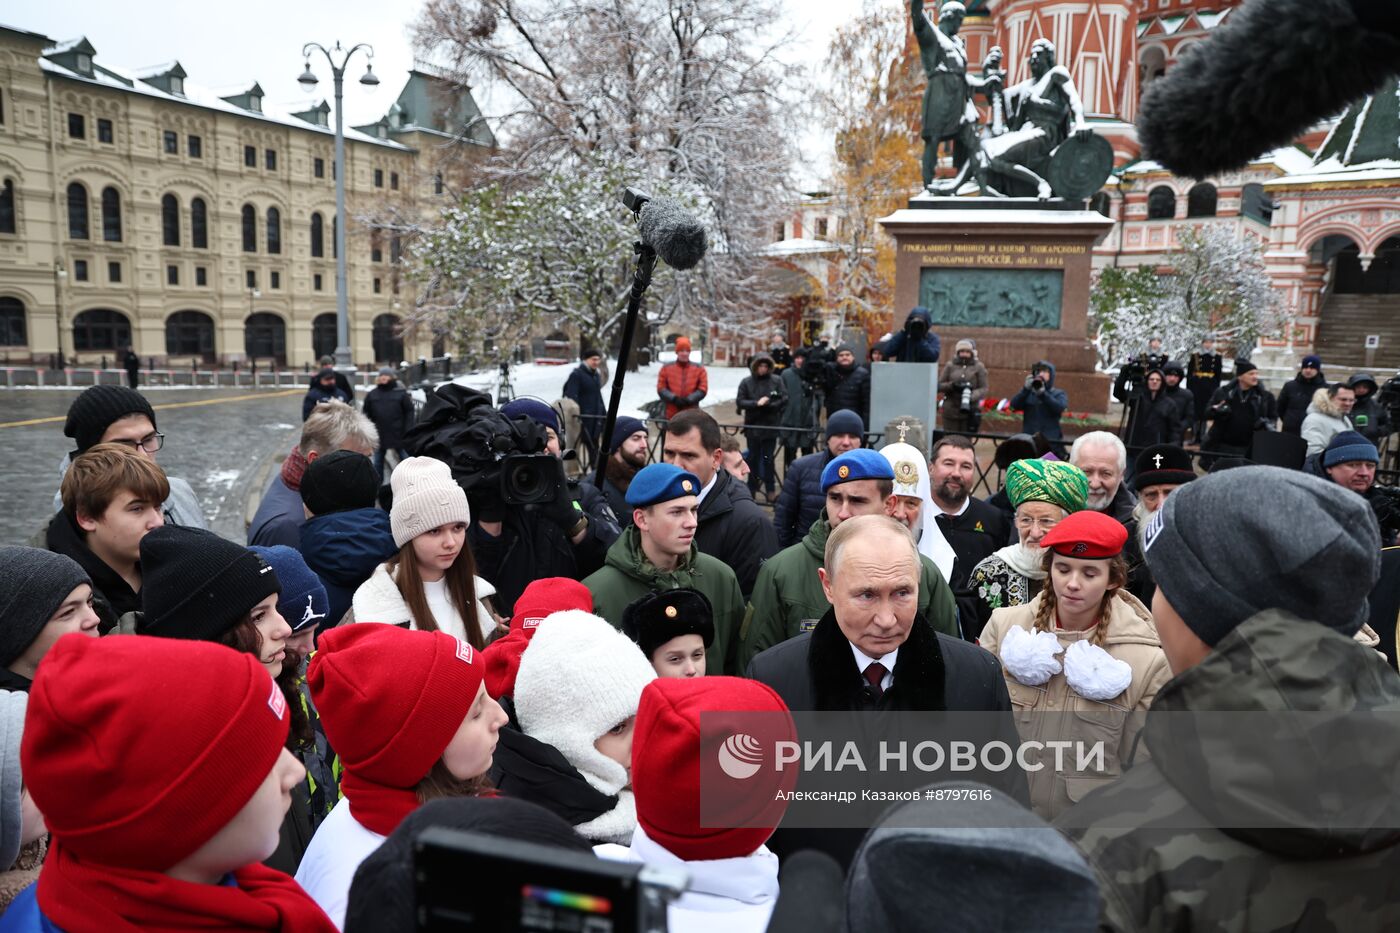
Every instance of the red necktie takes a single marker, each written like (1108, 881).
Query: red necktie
(875, 675)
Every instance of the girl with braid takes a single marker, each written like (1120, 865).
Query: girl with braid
(1082, 661)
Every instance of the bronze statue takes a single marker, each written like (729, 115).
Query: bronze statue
(948, 113)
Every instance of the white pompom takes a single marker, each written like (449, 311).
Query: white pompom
(1095, 674)
(1030, 656)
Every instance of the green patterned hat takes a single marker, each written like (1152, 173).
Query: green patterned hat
(1052, 481)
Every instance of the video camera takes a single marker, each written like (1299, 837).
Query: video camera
(523, 886)
(1389, 396)
(494, 459)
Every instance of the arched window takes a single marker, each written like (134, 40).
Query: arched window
(388, 339)
(7, 206)
(101, 330)
(274, 230)
(77, 212)
(323, 335)
(1161, 203)
(264, 335)
(199, 224)
(190, 333)
(170, 220)
(111, 215)
(1201, 200)
(12, 327)
(318, 236)
(250, 229)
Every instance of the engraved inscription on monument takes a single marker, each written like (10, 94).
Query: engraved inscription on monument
(992, 297)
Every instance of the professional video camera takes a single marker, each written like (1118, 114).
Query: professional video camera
(1385, 503)
(1389, 396)
(494, 459)
(816, 367)
(523, 886)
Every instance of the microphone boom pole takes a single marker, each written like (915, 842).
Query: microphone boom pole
(641, 280)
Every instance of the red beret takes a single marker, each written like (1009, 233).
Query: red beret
(1088, 535)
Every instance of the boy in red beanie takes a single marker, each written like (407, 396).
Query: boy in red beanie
(409, 716)
(193, 779)
(733, 876)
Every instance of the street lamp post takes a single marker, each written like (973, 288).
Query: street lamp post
(308, 82)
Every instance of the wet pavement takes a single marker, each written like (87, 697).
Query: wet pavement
(218, 440)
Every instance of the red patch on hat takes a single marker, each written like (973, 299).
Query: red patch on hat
(464, 652)
(532, 622)
(277, 702)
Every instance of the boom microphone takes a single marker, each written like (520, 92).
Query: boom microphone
(672, 232)
(1272, 70)
(811, 895)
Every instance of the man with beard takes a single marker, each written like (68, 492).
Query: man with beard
(801, 500)
(1158, 471)
(627, 453)
(1104, 459)
(973, 528)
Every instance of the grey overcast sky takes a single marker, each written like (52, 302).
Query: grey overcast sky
(224, 44)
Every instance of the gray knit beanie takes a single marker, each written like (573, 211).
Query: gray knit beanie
(33, 583)
(12, 707)
(1233, 544)
(425, 497)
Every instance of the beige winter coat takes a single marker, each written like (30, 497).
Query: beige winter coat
(1054, 711)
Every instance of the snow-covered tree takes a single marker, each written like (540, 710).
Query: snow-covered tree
(680, 95)
(1215, 284)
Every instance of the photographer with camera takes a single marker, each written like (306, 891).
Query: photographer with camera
(1350, 461)
(1042, 404)
(915, 343)
(557, 528)
(761, 400)
(964, 385)
(1237, 409)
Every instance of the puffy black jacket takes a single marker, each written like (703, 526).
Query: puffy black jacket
(391, 409)
(1156, 420)
(915, 343)
(755, 387)
(801, 501)
(1294, 399)
(848, 388)
(1369, 416)
(734, 529)
(584, 387)
(1041, 410)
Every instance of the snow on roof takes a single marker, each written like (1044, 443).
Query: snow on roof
(1333, 171)
(198, 96)
(799, 245)
(1290, 158)
(1211, 20)
(1170, 24)
(157, 69)
(67, 45)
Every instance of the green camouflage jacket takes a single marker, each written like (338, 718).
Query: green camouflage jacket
(1280, 826)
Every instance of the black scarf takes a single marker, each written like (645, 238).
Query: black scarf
(838, 685)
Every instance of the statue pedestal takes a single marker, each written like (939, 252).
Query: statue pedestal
(1013, 275)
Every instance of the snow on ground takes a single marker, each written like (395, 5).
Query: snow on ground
(547, 383)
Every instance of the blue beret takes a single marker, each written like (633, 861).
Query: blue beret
(861, 463)
(661, 482)
(534, 409)
(303, 599)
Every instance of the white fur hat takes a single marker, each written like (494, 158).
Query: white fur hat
(425, 496)
(578, 678)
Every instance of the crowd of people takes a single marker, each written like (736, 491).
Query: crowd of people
(199, 734)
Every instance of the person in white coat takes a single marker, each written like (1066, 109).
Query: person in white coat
(911, 505)
(431, 584)
(1328, 415)
(733, 876)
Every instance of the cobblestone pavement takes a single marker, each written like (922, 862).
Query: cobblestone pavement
(216, 439)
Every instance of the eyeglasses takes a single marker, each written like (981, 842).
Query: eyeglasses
(150, 443)
(1026, 523)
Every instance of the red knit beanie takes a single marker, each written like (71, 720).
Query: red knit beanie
(391, 699)
(671, 757)
(137, 750)
(540, 599)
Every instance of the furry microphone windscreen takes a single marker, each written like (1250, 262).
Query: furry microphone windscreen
(673, 232)
(1272, 70)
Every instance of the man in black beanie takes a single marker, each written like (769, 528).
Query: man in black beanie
(345, 536)
(1247, 807)
(627, 453)
(1237, 409)
(801, 500)
(107, 414)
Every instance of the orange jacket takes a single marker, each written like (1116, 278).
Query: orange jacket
(681, 386)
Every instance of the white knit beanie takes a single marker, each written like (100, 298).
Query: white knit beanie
(578, 678)
(425, 496)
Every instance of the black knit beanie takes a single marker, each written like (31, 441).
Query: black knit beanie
(339, 481)
(93, 412)
(33, 583)
(195, 584)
